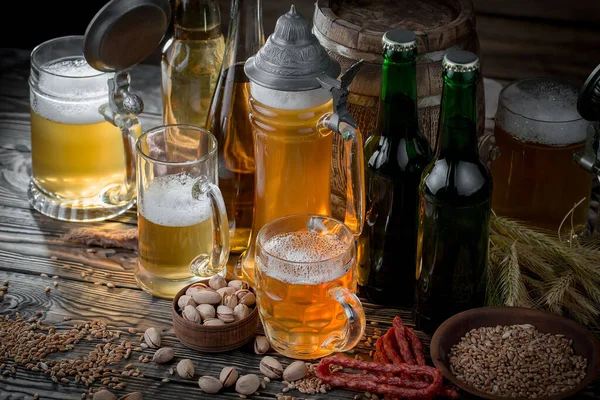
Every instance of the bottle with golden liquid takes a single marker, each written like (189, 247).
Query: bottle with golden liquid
(296, 106)
(228, 119)
(190, 61)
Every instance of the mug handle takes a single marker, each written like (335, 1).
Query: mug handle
(205, 265)
(355, 321)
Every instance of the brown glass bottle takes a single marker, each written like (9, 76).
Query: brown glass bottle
(228, 119)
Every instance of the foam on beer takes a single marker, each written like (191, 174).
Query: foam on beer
(70, 92)
(168, 201)
(305, 247)
(542, 112)
(289, 100)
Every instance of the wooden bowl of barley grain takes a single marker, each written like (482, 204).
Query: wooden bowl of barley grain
(504, 353)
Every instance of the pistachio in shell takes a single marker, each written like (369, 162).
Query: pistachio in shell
(261, 344)
(152, 338)
(225, 314)
(210, 384)
(195, 287)
(213, 322)
(104, 395)
(207, 297)
(225, 291)
(217, 282)
(228, 376)
(241, 311)
(270, 367)
(248, 300)
(294, 371)
(191, 314)
(206, 311)
(185, 300)
(186, 369)
(230, 300)
(247, 384)
(163, 355)
(238, 284)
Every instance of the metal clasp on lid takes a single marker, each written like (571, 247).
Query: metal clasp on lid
(339, 92)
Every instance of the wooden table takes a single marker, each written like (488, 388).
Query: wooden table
(32, 252)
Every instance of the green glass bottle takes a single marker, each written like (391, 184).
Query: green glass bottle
(454, 204)
(395, 155)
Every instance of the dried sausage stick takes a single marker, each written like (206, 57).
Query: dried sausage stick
(382, 383)
(416, 345)
(403, 345)
(389, 348)
(380, 355)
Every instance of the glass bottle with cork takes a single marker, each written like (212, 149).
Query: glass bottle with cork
(228, 119)
(454, 204)
(190, 61)
(395, 155)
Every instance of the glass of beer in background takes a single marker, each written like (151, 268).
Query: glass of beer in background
(78, 158)
(537, 130)
(305, 278)
(182, 221)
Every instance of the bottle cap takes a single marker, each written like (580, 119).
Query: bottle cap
(292, 57)
(399, 40)
(588, 103)
(125, 32)
(460, 61)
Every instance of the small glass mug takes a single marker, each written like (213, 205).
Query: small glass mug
(83, 166)
(183, 233)
(305, 278)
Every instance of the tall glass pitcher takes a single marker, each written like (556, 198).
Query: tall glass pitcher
(296, 106)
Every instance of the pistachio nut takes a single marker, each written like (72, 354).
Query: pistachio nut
(241, 311)
(195, 287)
(132, 396)
(247, 384)
(191, 314)
(207, 297)
(294, 371)
(210, 384)
(185, 368)
(249, 299)
(217, 282)
(238, 284)
(230, 300)
(228, 376)
(241, 293)
(213, 322)
(270, 367)
(186, 300)
(225, 314)
(104, 395)
(226, 290)
(163, 355)
(261, 344)
(152, 338)
(206, 311)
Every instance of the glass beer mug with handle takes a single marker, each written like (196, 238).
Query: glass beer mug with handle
(296, 107)
(183, 233)
(305, 284)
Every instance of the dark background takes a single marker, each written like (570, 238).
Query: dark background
(519, 38)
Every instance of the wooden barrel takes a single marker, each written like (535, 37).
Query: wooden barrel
(351, 30)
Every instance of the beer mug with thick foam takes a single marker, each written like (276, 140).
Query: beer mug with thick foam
(537, 130)
(305, 277)
(182, 221)
(81, 167)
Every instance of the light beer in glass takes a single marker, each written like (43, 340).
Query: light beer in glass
(181, 239)
(537, 130)
(306, 279)
(78, 158)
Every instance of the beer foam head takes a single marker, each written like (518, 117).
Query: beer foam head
(542, 111)
(306, 257)
(70, 91)
(289, 100)
(168, 201)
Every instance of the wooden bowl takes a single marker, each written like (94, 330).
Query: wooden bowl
(211, 338)
(585, 343)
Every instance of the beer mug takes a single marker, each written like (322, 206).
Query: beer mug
(305, 277)
(182, 223)
(537, 131)
(83, 166)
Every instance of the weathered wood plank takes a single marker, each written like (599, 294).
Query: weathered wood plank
(122, 309)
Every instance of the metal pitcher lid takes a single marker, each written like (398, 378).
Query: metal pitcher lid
(588, 103)
(125, 32)
(292, 57)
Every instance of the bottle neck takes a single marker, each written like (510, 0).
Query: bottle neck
(398, 101)
(245, 34)
(458, 116)
(197, 20)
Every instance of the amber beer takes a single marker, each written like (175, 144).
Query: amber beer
(537, 131)
(297, 274)
(174, 229)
